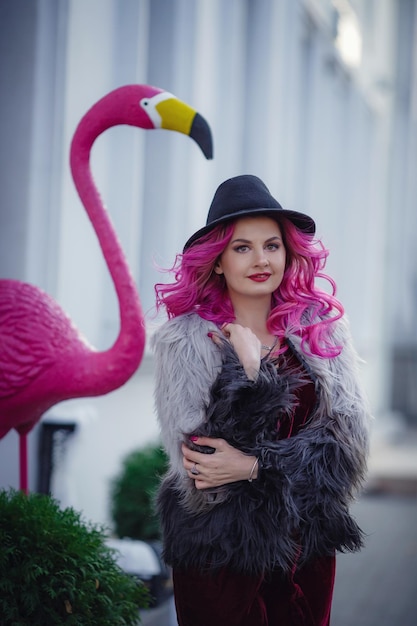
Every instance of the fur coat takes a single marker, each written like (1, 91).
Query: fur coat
(297, 509)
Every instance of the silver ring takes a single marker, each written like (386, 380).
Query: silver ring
(194, 471)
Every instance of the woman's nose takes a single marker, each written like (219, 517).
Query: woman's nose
(261, 258)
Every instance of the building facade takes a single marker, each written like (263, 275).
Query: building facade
(317, 97)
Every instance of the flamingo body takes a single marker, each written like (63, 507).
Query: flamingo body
(43, 358)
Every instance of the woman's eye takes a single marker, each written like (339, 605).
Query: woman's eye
(241, 248)
(272, 246)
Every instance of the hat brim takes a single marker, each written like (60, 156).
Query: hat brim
(302, 221)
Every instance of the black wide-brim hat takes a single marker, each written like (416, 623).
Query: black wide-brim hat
(246, 195)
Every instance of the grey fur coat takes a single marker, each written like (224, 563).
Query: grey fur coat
(297, 509)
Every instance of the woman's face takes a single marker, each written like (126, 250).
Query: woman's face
(253, 263)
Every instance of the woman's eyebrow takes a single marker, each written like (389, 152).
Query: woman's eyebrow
(241, 240)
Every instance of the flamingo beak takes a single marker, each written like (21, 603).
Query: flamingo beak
(177, 115)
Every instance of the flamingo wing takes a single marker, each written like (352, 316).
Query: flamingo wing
(33, 330)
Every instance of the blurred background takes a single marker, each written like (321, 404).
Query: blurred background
(317, 97)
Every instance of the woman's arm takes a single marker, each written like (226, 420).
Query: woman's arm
(314, 474)
(241, 412)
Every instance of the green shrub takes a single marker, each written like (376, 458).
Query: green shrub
(133, 493)
(57, 569)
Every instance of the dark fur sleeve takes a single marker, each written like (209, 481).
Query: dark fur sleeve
(245, 412)
(316, 475)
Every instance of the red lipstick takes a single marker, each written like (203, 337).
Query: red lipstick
(260, 278)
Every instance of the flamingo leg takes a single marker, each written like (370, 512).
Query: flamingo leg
(23, 462)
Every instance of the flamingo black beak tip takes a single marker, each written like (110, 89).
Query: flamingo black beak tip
(201, 133)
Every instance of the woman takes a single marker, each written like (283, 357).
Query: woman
(261, 415)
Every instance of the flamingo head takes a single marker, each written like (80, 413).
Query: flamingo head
(149, 107)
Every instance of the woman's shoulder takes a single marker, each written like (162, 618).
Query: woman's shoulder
(340, 333)
(182, 342)
(184, 326)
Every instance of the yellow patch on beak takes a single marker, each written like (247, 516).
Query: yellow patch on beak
(176, 115)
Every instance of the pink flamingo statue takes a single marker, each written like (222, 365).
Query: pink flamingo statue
(43, 358)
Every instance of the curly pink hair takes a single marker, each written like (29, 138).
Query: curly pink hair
(298, 305)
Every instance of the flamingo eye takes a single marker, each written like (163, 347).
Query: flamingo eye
(149, 105)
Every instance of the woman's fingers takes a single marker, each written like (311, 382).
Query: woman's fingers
(194, 461)
(215, 337)
(211, 442)
(227, 465)
(226, 329)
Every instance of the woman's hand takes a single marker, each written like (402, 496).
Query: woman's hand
(225, 465)
(246, 345)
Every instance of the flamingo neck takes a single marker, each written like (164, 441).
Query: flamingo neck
(131, 340)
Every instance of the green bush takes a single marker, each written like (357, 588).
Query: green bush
(133, 494)
(57, 569)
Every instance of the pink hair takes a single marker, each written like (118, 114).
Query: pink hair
(298, 306)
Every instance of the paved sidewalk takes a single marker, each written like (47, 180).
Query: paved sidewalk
(378, 586)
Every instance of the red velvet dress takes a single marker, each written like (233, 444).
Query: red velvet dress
(230, 599)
